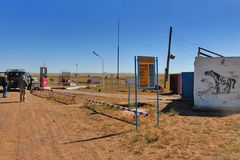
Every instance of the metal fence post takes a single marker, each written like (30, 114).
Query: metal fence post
(136, 101)
(128, 86)
(158, 110)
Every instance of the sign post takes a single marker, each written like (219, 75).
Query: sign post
(158, 110)
(147, 78)
(128, 84)
(136, 90)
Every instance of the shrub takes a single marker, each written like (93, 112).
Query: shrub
(134, 137)
(151, 137)
(173, 112)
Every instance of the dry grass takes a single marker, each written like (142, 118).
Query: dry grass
(151, 136)
(184, 137)
(134, 137)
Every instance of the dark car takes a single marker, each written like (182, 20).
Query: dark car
(14, 76)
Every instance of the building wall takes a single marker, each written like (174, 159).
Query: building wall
(217, 83)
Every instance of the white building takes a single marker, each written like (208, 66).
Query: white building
(217, 83)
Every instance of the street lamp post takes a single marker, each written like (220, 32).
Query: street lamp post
(102, 67)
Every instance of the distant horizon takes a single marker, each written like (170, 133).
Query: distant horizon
(91, 73)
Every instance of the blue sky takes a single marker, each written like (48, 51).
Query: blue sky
(63, 33)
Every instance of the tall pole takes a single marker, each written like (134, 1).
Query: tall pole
(102, 73)
(168, 58)
(76, 74)
(158, 108)
(76, 69)
(102, 66)
(118, 51)
(136, 90)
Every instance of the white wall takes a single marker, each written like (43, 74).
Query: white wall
(217, 92)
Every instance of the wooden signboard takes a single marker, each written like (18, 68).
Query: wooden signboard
(146, 72)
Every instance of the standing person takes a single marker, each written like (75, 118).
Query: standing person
(30, 83)
(23, 83)
(5, 86)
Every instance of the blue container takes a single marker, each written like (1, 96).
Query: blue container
(187, 86)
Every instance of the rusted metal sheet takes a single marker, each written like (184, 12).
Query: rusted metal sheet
(176, 83)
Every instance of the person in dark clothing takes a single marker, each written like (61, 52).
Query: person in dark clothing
(30, 83)
(5, 86)
(23, 84)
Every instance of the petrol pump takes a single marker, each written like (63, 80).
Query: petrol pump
(43, 78)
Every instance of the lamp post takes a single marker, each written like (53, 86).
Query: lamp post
(76, 74)
(102, 66)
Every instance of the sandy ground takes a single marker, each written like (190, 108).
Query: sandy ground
(45, 129)
(40, 129)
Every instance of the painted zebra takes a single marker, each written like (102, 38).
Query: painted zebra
(222, 84)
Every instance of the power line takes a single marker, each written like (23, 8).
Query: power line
(230, 12)
(186, 48)
(192, 41)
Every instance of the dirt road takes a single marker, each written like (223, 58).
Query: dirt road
(41, 129)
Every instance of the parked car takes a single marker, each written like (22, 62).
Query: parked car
(14, 76)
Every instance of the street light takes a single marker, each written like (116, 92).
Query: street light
(102, 65)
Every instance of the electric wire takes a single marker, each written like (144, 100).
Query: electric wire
(203, 20)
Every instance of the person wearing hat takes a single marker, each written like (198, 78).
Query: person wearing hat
(5, 86)
(23, 83)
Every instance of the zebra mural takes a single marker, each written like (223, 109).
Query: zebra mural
(223, 85)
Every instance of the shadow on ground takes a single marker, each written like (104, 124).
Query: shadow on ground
(185, 108)
(9, 102)
(96, 138)
(140, 105)
(106, 115)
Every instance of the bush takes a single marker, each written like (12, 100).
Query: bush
(134, 137)
(151, 137)
(173, 112)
